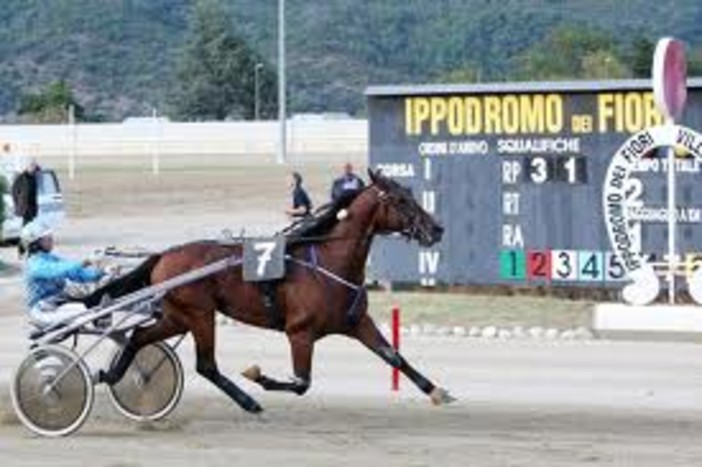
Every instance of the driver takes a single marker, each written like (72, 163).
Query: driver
(46, 276)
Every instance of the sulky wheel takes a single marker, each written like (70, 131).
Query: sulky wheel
(52, 391)
(152, 385)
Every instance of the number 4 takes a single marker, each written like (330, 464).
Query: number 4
(591, 265)
(264, 258)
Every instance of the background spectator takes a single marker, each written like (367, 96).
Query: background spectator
(348, 182)
(24, 193)
(301, 204)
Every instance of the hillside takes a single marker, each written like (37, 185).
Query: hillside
(120, 55)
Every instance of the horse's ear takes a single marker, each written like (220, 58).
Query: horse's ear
(372, 174)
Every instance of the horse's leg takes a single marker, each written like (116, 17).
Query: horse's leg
(369, 335)
(202, 327)
(164, 328)
(301, 346)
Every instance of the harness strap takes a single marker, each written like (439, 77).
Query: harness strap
(269, 297)
(323, 271)
(353, 313)
(360, 294)
(313, 255)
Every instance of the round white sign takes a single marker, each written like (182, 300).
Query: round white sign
(645, 286)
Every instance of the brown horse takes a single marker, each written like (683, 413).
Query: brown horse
(322, 292)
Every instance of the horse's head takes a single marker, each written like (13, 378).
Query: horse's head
(400, 212)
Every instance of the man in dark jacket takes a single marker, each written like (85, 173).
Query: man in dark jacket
(24, 194)
(301, 205)
(348, 182)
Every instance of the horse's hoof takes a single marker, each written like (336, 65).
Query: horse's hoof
(441, 396)
(103, 377)
(254, 408)
(252, 373)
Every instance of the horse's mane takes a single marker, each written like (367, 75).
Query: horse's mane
(321, 222)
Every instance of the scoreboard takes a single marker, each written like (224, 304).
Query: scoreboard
(514, 172)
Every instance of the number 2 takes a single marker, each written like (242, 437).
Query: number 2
(539, 265)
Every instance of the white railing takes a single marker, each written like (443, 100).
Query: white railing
(147, 138)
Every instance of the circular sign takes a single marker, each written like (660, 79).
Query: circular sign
(645, 286)
(669, 76)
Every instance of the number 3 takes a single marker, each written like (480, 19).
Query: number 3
(565, 263)
(539, 170)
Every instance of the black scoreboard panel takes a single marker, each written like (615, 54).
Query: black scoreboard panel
(514, 172)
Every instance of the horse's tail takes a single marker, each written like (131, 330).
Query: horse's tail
(138, 278)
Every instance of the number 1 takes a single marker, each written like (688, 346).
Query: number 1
(570, 169)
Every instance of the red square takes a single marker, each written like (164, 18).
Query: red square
(539, 265)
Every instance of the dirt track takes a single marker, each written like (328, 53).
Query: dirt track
(520, 403)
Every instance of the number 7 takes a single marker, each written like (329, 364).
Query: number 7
(267, 250)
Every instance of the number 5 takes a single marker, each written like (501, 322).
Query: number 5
(267, 250)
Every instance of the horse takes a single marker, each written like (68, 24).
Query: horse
(322, 292)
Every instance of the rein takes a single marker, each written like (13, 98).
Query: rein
(359, 290)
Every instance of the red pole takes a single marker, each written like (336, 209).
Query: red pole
(396, 345)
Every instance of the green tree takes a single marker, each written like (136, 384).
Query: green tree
(50, 105)
(694, 62)
(217, 69)
(640, 57)
(602, 64)
(570, 52)
(466, 74)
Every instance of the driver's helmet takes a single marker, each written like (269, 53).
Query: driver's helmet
(34, 231)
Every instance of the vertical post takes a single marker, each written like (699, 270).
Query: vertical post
(396, 345)
(672, 223)
(257, 92)
(72, 149)
(669, 76)
(282, 140)
(155, 143)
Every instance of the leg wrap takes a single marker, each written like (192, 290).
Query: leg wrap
(300, 385)
(390, 356)
(210, 371)
(116, 371)
(297, 385)
(395, 360)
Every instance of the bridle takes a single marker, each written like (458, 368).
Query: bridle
(411, 217)
(386, 199)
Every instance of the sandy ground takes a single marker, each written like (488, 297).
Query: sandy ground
(521, 403)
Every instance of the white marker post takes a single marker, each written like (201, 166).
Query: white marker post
(669, 75)
(155, 143)
(74, 137)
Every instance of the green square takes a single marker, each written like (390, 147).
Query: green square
(513, 264)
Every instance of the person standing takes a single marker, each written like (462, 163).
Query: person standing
(24, 193)
(349, 182)
(301, 205)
